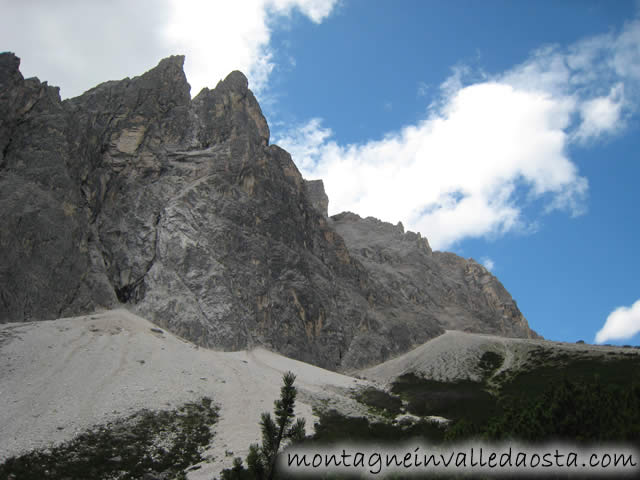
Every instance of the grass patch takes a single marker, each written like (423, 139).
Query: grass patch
(163, 442)
(457, 400)
(380, 402)
(334, 427)
(489, 363)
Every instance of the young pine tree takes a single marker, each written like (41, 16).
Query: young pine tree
(276, 433)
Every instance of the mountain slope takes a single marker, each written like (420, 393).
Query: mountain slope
(59, 378)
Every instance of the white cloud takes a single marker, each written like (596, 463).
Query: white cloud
(601, 115)
(626, 51)
(306, 143)
(234, 36)
(453, 174)
(487, 148)
(488, 263)
(623, 323)
(316, 10)
(78, 43)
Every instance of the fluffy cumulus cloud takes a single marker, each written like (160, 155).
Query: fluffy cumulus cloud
(488, 148)
(78, 43)
(621, 324)
(454, 174)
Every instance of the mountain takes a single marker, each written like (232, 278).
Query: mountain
(135, 194)
(456, 293)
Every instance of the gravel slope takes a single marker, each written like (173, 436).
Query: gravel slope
(58, 378)
(455, 355)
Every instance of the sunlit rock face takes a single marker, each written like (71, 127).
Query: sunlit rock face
(134, 193)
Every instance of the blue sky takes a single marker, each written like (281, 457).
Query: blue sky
(503, 131)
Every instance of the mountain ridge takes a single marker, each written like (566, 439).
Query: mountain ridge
(134, 193)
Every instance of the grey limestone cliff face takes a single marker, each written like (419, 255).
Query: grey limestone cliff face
(456, 293)
(134, 193)
(317, 196)
(49, 261)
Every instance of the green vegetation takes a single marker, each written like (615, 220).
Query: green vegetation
(380, 402)
(334, 427)
(489, 363)
(147, 442)
(446, 399)
(566, 410)
(545, 368)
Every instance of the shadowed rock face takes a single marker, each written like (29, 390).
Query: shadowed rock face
(458, 294)
(135, 193)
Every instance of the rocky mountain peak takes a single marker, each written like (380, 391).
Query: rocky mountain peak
(9, 70)
(133, 193)
(230, 110)
(171, 62)
(381, 235)
(236, 81)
